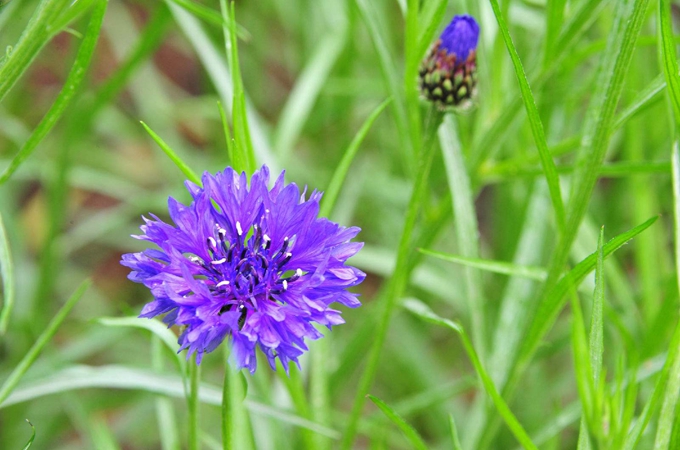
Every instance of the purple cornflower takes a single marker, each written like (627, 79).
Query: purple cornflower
(247, 263)
(448, 74)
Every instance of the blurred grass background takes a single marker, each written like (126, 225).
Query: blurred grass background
(313, 72)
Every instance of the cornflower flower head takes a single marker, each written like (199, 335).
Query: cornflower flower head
(448, 73)
(247, 263)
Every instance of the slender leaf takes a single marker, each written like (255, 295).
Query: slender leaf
(583, 371)
(410, 432)
(307, 88)
(68, 92)
(595, 346)
(32, 438)
(424, 312)
(467, 230)
(7, 273)
(387, 66)
(157, 328)
(455, 442)
(594, 144)
(670, 399)
(34, 37)
(244, 154)
(211, 16)
(30, 357)
(670, 59)
(216, 67)
(596, 339)
(534, 120)
(336, 183)
(398, 281)
(549, 310)
(430, 18)
(181, 165)
(501, 267)
(650, 408)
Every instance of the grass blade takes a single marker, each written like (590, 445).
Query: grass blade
(7, 273)
(519, 293)
(181, 165)
(307, 88)
(644, 98)
(331, 194)
(593, 147)
(32, 438)
(120, 377)
(30, 357)
(672, 357)
(596, 350)
(165, 411)
(244, 154)
(535, 121)
(583, 371)
(34, 37)
(387, 66)
(424, 312)
(411, 434)
(670, 399)
(670, 60)
(455, 442)
(397, 283)
(68, 92)
(216, 67)
(467, 229)
(597, 321)
(430, 18)
(501, 267)
(158, 329)
(548, 310)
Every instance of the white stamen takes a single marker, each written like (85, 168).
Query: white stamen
(298, 272)
(239, 230)
(212, 242)
(219, 261)
(285, 285)
(223, 283)
(289, 254)
(266, 240)
(194, 259)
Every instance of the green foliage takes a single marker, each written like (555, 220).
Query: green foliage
(574, 341)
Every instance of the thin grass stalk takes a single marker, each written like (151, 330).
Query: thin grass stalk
(397, 283)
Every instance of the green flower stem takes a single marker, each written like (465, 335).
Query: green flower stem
(194, 381)
(227, 416)
(397, 284)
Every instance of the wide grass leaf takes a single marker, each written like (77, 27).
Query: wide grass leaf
(120, 377)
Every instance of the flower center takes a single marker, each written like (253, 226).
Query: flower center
(246, 270)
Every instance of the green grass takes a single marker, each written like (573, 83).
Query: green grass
(541, 227)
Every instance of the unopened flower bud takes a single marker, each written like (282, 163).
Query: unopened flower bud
(448, 74)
